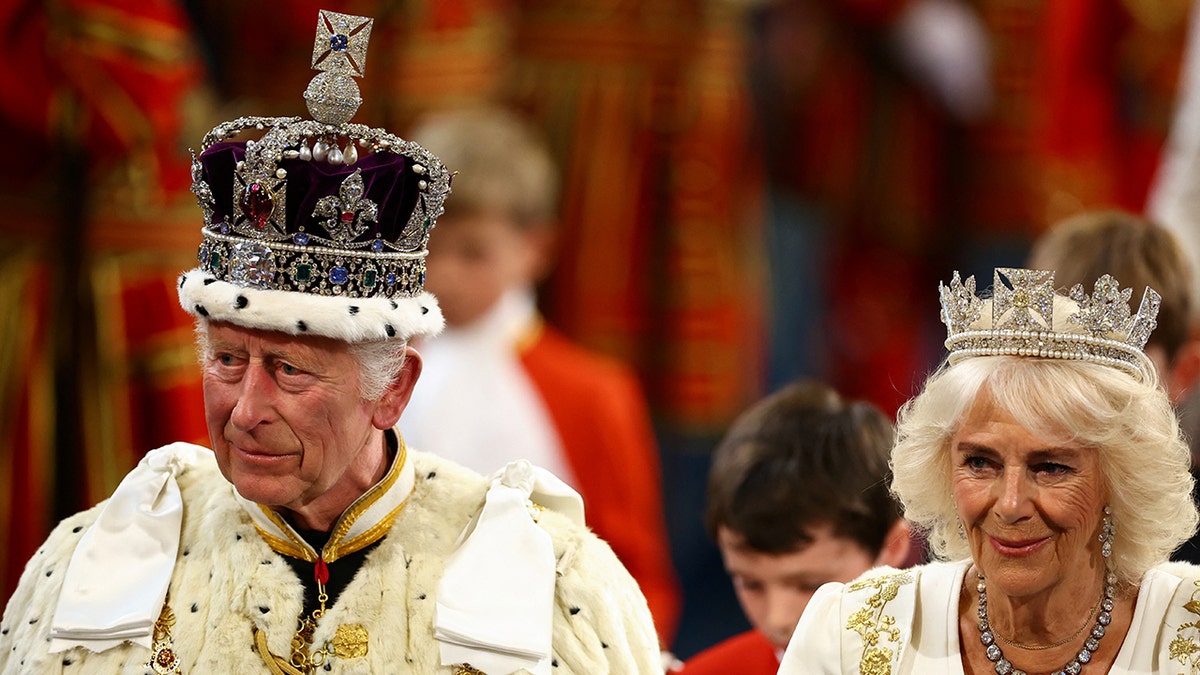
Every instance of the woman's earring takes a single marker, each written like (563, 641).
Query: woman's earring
(962, 534)
(1106, 534)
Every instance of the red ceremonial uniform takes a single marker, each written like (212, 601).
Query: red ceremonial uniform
(747, 654)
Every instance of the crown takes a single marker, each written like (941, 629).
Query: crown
(1026, 317)
(317, 226)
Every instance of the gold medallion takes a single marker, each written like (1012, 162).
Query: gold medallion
(350, 641)
(163, 659)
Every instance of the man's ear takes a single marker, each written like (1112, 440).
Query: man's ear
(395, 397)
(1184, 370)
(897, 546)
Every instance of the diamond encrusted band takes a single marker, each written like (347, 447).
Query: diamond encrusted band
(311, 269)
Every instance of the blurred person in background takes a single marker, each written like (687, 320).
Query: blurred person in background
(1080, 248)
(797, 497)
(500, 383)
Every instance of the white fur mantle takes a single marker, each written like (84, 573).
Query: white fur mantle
(227, 582)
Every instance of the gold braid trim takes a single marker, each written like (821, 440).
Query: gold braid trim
(276, 664)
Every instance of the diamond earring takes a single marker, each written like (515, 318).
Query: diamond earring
(1106, 533)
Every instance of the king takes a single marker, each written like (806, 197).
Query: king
(310, 537)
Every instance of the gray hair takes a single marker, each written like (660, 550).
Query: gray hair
(1143, 456)
(379, 362)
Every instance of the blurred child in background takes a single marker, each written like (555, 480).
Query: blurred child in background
(797, 497)
(499, 383)
(1138, 252)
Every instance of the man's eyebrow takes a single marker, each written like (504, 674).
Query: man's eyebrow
(302, 358)
(217, 345)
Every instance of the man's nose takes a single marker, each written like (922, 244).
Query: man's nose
(255, 404)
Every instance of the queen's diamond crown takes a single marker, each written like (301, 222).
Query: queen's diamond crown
(1026, 317)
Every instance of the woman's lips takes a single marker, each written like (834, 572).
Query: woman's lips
(1017, 548)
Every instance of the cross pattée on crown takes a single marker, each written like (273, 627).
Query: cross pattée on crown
(340, 53)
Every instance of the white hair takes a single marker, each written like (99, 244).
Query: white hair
(379, 362)
(1143, 456)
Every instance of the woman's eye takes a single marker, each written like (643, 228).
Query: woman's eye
(1052, 468)
(975, 463)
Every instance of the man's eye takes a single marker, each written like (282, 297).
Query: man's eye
(226, 359)
(289, 369)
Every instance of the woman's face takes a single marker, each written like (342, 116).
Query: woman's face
(1031, 508)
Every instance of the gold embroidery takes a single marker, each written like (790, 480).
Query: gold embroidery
(350, 641)
(369, 536)
(163, 660)
(873, 625)
(466, 669)
(1185, 648)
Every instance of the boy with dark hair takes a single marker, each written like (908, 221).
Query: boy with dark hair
(797, 497)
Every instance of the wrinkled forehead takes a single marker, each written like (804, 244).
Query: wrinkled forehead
(216, 335)
(988, 413)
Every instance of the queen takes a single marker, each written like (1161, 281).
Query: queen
(1047, 466)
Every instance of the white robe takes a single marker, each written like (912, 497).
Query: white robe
(227, 582)
(921, 604)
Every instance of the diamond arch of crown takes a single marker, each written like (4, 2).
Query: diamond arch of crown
(290, 138)
(1022, 321)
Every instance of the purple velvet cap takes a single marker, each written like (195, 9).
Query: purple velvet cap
(389, 181)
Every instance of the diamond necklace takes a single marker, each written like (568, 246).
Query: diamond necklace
(1075, 665)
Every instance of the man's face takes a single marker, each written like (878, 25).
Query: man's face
(285, 418)
(474, 259)
(774, 588)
